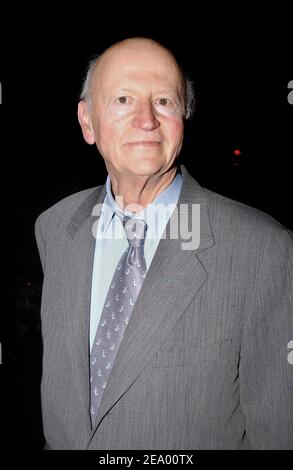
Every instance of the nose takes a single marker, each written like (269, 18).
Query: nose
(145, 118)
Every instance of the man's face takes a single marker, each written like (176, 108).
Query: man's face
(137, 109)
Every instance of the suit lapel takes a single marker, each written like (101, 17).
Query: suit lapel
(78, 264)
(175, 276)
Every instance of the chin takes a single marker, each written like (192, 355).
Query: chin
(144, 168)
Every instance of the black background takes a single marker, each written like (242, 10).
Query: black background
(239, 57)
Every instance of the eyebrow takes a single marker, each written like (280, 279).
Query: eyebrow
(159, 92)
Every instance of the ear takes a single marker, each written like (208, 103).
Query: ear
(85, 122)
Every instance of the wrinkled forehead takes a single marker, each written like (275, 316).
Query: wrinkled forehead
(141, 67)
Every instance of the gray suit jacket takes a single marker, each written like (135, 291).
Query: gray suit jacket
(204, 360)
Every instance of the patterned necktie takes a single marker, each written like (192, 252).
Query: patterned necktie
(124, 289)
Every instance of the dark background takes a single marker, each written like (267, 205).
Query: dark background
(240, 60)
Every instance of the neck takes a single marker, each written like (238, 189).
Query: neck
(135, 193)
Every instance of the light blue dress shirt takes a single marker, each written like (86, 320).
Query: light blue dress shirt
(111, 241)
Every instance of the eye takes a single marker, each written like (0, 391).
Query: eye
(164, 101)
(122, 100)
(168, 105)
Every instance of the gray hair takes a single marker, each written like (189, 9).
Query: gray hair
(85, 94)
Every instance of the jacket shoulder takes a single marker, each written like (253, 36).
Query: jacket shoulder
(223, 211)
(245, 228)
(246, 231)
(62, 210)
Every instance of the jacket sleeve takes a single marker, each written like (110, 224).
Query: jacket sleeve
(40, 241)
(266, 374)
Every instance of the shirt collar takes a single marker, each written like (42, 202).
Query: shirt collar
(156, 214)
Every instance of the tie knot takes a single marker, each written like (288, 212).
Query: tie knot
(135, 230)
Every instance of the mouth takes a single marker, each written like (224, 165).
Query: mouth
(144, 143)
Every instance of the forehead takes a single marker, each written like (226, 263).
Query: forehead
(139, 67)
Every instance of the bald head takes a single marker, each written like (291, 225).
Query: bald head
(149, 54)
(132, 47)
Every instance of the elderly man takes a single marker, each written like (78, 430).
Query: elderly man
(151, 341)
